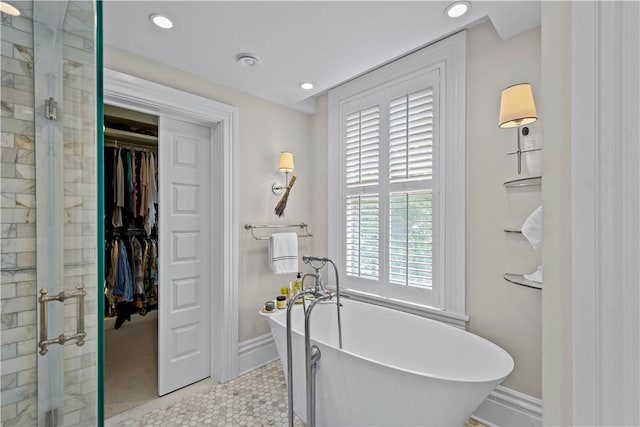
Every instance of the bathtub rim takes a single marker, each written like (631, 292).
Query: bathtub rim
(281, 315)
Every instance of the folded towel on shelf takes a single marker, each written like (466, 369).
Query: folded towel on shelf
(283, 253)
(536, 276)
(532, 228)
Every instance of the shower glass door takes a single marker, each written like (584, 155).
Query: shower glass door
(66, 187)
(50, 246)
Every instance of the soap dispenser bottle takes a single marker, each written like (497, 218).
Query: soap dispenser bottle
(297, 288)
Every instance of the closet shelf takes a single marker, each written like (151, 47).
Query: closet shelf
(126, 136)
(519, 279)
(524, 182)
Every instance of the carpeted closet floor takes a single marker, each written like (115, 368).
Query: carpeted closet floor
(131, 363)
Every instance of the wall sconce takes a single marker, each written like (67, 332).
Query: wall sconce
(284, 165)
(517, 109)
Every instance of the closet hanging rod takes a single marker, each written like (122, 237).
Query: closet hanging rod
(129, 145)
(252, 227)
(127, 230)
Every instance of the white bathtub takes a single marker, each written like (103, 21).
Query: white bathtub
(395, 369)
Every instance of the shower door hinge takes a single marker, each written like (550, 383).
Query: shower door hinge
(50, 109)
(51, 418)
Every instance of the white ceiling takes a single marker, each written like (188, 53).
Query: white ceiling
(325, 42)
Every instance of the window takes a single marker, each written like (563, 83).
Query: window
(397, 150)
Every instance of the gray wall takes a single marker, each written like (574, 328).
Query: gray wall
(265, 130)
(556, 305)
(502, 312)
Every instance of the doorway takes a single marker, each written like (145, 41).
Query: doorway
(131, 291)
(183, 355)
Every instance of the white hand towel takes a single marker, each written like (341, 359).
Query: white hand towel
(536, 276)
(532, 228)
(283, 253)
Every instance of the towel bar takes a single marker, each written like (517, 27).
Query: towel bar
(252, 227)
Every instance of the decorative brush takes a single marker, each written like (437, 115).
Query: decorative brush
(279, 210)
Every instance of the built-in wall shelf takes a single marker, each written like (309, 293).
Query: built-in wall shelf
(126, 136)
(519, 279)
(524, 182)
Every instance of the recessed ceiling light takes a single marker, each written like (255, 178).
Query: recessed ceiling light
(306, 85)
(161, 21)
(248, 60)
(457, 9)
(9, 9)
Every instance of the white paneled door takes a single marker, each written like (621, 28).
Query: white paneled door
(184, 265)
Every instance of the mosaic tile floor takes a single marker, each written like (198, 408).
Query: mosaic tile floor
(258, 398)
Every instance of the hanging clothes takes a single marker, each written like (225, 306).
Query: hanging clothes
(109, 202)
(138, 275)
(151, 272)
(143, 185)
(134, 183)
(131, 185)
(131, 273)
(153, 266)
(129, 180)
(111, 269)
(131, 249)
(119, 191)
(152, 194)
(124, 282)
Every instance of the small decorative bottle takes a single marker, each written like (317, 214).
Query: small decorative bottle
(285, 292)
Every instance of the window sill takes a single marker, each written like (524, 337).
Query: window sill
(454, 319)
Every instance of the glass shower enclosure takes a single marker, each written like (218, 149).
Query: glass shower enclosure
(50, 206)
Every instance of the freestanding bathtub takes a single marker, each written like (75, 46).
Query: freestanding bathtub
(395, 369)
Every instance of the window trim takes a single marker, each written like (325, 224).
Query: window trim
(448, 56)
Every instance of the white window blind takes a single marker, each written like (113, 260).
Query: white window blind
(409, 147)
(411, 239)
(363, 245)
(397, 209)
(411, 211)
(363, 146)
(411, 136)
(362, 154)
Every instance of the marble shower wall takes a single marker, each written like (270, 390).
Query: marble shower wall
(77, 200)
(17, 219)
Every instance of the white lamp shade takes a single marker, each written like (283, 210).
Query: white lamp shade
(286, 162)
(517, 107)
(9, 9)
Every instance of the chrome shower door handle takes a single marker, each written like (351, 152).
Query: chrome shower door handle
(80, 334)
(44, 315)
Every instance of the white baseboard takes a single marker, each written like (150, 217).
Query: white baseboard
(503, 407)
(256, 352)
(507, 407)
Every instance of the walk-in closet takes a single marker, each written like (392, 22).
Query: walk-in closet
(180, 138)
(131, 259)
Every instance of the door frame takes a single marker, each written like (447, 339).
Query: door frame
(605, 331)
(131, 92)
